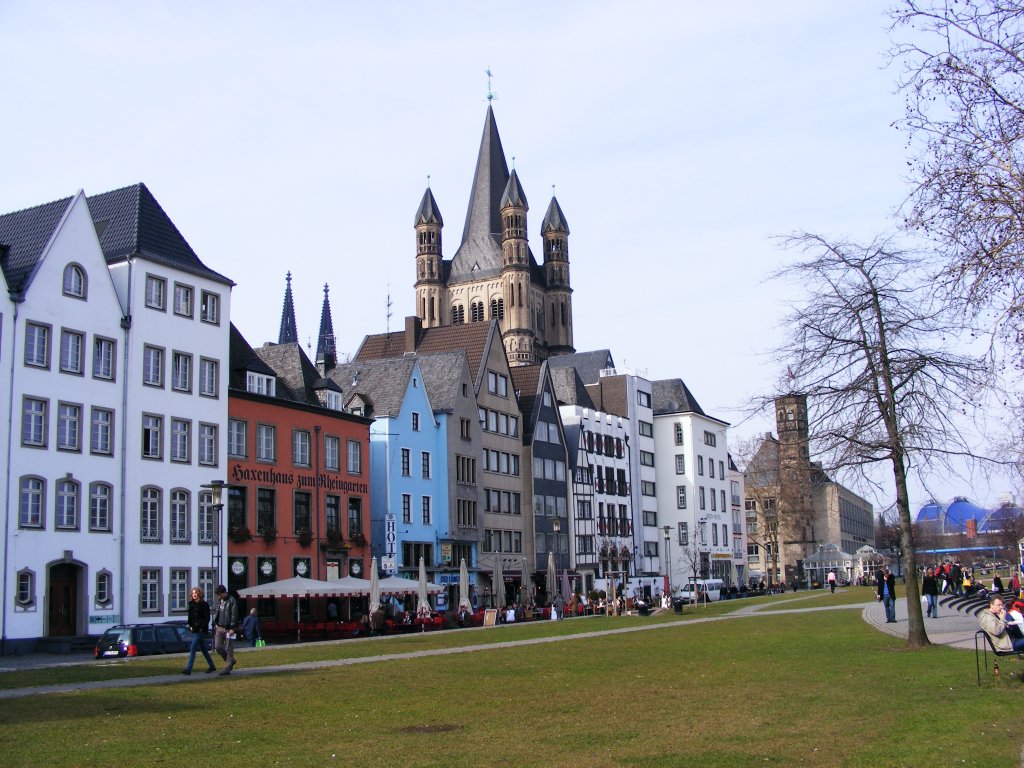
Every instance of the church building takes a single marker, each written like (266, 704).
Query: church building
(494, 274)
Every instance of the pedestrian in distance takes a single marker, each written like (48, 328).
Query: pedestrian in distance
(225, 624)
(886, 588)
(252, 630)
(930, 590)
(832, 581)
(198, 625)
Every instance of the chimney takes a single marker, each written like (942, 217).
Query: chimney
(413, 331)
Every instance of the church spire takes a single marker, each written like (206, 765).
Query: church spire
(326, 356)
(489, 179)
(288, 333)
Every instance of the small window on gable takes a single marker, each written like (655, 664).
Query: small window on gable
(74, 281)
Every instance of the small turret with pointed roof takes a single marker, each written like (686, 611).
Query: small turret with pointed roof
(326, 355)
(289, 333)
(517, 330)
(428, 260)
(555, 231)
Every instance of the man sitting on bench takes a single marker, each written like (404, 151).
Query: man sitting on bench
(994, 623)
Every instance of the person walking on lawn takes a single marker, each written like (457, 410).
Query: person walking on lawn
(887, 594)
(225, 623)
(198, 625)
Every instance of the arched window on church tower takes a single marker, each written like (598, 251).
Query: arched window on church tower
(476, 312)
(497, 309)
(458, 314)
(563, 314)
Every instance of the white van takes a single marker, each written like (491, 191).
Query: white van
(708, 591)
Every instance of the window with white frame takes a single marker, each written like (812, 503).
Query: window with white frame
(100, 496)
(66, 504)
(152, 366)
(207, 518)
(238, 438)
(151, 529)
(178, 595)
(31, 502)
(25, 590)
(150, 590)
(181, 440)
(208, 373)
(355, 458)
(711, 467)
(700, 492)
(182, 300)
(180, 516)
(208, 445)
(33, 422)
(207, 579)
(181, 372)
(680, 464)
(332, 452)
(72, 343)
(700, 466)
(497, 384)
(156, 292)
(104, 592)
(101, 432)
(678, 432)
(710, 438)
(210, 308)
(300, 448)
(681, 497)
(103, 365)
(265, 439)
(69, 420)
(684, 534)
(74, 281)
(259, 384)
(37, 345)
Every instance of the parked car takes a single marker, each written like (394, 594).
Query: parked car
(144, 640)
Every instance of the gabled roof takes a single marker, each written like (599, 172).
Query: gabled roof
(242, 359)
(587, 364)
(297, 378)
(382, 384)
(673, 396)
(472, 338)
(130, 222)
(527, 379)
(569, 389)
(442, 372)
(24, 236)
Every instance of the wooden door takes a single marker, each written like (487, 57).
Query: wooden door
(63, 600)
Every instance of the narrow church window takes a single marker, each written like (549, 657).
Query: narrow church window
(497, 309)
(520, 294)
(477, 312)
(563, 314)
(458, 314)
(433, 307)
(552, 314)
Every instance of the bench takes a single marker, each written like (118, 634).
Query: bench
(981, 651)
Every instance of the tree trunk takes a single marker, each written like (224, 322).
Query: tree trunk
(917, 635)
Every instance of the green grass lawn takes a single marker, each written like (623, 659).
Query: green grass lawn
(775, 689)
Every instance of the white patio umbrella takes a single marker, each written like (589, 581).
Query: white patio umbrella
(374, 586)
(498, 584)
(463, 585)
(550, 580)
(422, 602)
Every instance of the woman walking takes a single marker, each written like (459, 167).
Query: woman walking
(930, 590)
(198, 625)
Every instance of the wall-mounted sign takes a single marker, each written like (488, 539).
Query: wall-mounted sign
(446, 552)
(240, 474)
(237, 567)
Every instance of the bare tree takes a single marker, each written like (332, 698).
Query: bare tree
(1007, 526)
(963, 80)
(690, 556)
(870, 347)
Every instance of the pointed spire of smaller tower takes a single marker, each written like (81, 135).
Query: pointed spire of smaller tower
(326, 357)
(554, 219)
(428, 212)
(513, 194)
(288, 334)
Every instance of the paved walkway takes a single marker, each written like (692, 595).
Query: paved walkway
(953, 628)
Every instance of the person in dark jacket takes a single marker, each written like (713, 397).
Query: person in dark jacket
(225, 623)
(198, 625)
(887, 594)
(251, 628)
(930, 590)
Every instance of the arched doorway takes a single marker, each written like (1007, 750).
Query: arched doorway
(63, 599)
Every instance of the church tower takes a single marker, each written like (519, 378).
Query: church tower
(428, 261)
(515, 275)
(287, 334)
(555, 231)
(326, 353)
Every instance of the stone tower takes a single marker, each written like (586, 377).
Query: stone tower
(518, 335)
(428, 261)
(555, 230)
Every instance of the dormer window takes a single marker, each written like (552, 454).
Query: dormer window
(330, 399)
(259, 384)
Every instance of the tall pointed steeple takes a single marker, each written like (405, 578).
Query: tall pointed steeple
(479, 253)
(288, 333)
(326, 356)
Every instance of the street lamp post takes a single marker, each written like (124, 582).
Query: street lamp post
(556, 527)
(667, 530)
(216, 489)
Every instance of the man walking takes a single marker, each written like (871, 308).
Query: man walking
(887, 594)
(225, 622)
(832, 581)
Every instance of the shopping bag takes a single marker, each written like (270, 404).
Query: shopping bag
(261, 643)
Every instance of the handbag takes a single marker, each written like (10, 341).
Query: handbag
(261, 643)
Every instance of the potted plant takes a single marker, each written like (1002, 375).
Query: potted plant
(240, 534)
(269, 535)
(304, 537)
(334, 540)
(358, 540)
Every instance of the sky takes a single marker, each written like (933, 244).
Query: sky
(681, 140)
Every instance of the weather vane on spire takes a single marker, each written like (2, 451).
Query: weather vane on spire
(491, 95)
